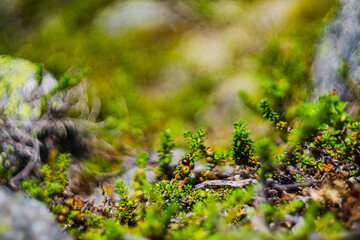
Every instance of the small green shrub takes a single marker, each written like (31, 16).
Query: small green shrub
(54, 182)
(164, 152)
(242, 151)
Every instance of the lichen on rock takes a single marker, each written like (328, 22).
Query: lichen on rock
(20, 87)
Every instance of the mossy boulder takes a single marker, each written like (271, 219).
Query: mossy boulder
(21, 84)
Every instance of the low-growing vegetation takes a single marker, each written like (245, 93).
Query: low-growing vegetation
(189, 119)
(304, 190)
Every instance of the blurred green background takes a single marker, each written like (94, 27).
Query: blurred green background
(173, 64)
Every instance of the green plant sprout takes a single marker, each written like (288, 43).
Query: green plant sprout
(126, 210)
(197, 150)
(164, 153)
(242, 151)
(54, 182)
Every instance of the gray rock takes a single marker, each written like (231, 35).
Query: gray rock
(23, 218)
(20, 105)
(339, 46)
(27, 134)
(227, 171)
(20, 100)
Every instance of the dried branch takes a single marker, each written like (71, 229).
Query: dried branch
(23, 150)
(29, 167)
(224, 183)
(297, 185)
(107, 199)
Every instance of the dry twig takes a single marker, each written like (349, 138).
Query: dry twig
(29, 166)
(297, 185)
(224, 183)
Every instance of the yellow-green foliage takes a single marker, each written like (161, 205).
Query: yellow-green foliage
(151, 78)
